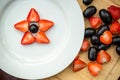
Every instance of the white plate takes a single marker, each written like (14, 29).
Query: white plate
(38, 61)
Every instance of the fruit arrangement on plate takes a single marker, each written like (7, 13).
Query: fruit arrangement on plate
(34, 28)
(104, 32)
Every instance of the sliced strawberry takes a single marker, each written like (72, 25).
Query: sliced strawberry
(45, 25)
(114, 11)
(27, 39)
(41, 38)
(33, 16)
(94, 68)
(115, 28)
(85, 45)
(106, 38)
(78, 65)
(103, 57)
(95, 22)
(76, 58)
(22, 26)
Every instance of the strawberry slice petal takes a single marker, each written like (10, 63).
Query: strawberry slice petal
(27, 39)
(22, 26)
(41, 38)
(45, 25)
(33, 16)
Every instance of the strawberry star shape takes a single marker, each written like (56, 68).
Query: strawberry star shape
(34, 28)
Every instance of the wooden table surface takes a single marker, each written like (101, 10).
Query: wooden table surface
(111, 70)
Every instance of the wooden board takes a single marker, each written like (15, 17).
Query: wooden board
(110, 70)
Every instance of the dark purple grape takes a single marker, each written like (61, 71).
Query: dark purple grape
(89, 32)
(92, 53)
(87, 2)
(33, 27)
(116, 40)
(118, 50)
(102, 29)
(105, 16)
(103, 47)
(95, 40)
(89, 11)
(119, 78)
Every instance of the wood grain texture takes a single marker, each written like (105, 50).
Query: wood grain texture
(115, 72)
(110, 70)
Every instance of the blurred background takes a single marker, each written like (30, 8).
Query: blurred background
(5, 76)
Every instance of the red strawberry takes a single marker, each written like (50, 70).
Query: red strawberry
(95, 22)
(115, 27)
(41, 38)
(114, 11)
(45, 25)
(94, 68)
(106, 38)
(22, 26)
(33, 16)
(76, 58)
(27, 39)
(85, 45)
(103, 57)
(78, 65)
